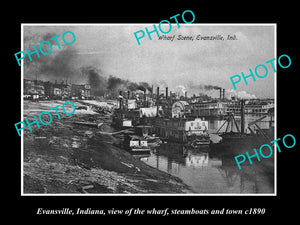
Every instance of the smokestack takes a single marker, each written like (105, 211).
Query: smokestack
(220, 93)
(171, 95)
(223, 93)
(242, 116)
(185, 94)
(157, 100)
(152, 92)
(166, 92)
(120, 99)
(128, 94)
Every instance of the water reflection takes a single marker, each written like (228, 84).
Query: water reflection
(208, 171)
(196, 160)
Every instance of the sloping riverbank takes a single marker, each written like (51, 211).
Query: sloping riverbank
(65, 157)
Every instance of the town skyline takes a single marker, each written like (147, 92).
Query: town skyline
(42, 88)
(111, 50)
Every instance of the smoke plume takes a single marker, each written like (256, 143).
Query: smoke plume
(65, 62)
(97, 82)
(230, 93)
(59, 63)
(143, 86)
(132, 86)
(115, 83)
(201, 87)
(181, 89)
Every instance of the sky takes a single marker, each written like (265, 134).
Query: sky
(113, 50)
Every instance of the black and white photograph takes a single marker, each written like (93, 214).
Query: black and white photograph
(163, 114)
(106, 111)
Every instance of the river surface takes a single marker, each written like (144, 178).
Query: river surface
(210, 171)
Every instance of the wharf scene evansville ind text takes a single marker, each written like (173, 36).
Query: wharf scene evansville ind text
(199, 37)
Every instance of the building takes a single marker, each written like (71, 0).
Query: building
(80, 91)
(65, 90)
(49, 91)
(57, 90)
(33, 88)
(46, 89)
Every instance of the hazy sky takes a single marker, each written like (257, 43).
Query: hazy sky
(114, 50)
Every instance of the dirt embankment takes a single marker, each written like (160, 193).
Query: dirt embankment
(65, 157)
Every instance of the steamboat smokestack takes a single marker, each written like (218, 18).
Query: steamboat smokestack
(152, 92)
(242, 116)
(223, 93)
(166, 92)
(120, 99)
(157, 100)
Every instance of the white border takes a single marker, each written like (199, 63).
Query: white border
(146, 24)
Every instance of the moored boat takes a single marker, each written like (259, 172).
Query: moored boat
(189, 132)
(136, 144)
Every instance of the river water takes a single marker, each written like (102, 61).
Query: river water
(208, 171)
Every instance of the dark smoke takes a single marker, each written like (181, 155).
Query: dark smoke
(115, 82)
(58, 64)
(132, 86)
(143, 86)
(100, 84)
(97, 82)
(65, 63)
(208, 87)
(202, 87)
(47, 37)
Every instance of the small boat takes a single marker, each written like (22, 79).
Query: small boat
(153, 141)
(197, 136)
(136, 144)
(196, 141)
(146, 131)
